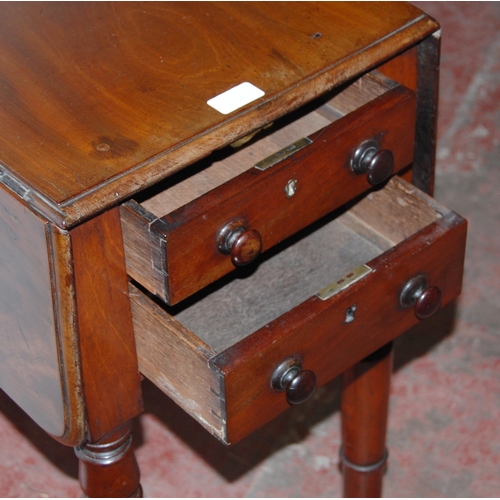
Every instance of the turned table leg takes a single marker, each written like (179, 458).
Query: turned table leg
(108, 467)
(364, 405)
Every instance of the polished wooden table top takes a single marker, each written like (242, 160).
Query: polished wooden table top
(101, 99)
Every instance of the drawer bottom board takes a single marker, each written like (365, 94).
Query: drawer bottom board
(251, 297)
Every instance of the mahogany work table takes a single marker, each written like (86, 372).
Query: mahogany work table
(151, 152)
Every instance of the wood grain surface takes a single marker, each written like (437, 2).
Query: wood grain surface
(29, 350)
(124, 90)
(162, 340)
(110, 373)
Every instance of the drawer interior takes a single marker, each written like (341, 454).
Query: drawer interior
(250, 298)
(224, 165)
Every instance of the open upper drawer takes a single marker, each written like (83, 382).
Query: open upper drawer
(321, 304)
(222, 212)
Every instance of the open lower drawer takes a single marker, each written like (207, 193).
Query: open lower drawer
(223, 211)
(326, 300)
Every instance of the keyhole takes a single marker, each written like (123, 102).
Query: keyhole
(349, 314)
(291, 188)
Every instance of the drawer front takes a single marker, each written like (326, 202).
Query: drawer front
(331, 335)
(273, 203)
(230, 391)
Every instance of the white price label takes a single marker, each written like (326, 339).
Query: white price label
(235, 98)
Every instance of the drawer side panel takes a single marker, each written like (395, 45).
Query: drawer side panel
(177, 362)
(144, 249)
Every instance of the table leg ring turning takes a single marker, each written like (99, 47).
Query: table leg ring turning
(344, 462)
(108, 467)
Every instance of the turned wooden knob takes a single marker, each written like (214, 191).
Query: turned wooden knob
(377, 164)
(425, 300)
(428, 302)
(380, 167)
(299, 385)
(242, 244)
